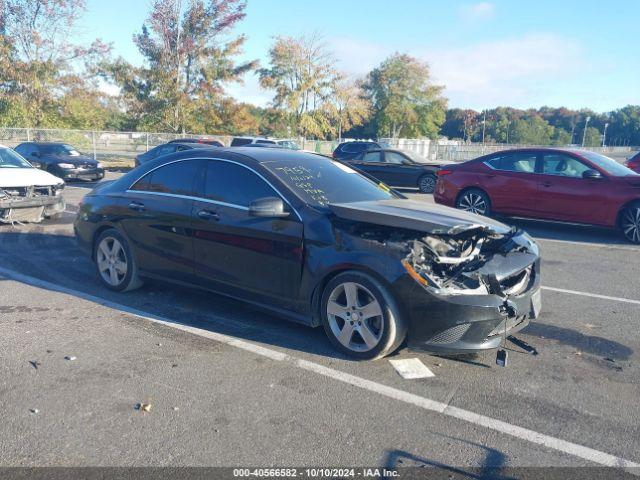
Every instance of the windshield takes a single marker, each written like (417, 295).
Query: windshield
(609, 165)
(320, 181)
(10, 159)
(59, 149)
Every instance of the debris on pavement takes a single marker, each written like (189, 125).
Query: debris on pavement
(411, 368)
(34, 410)
(35, 364)
(143, 407)
(69, 358)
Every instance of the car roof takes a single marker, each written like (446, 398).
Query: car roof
(574, 151)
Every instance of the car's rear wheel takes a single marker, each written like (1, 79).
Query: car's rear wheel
(115, 263)
(427, 183)
(360, 317)
(630, 222)
(474, 201)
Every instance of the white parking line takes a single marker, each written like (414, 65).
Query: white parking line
(588, 244)
(547, 441)
(592, 295)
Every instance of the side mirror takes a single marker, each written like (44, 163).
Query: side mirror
(407, 162)
(269, 207)
(591, 174)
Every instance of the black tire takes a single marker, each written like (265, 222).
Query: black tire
(129, 280)
(474, 200)
(630, 222)
(427, 183)
(389, 326)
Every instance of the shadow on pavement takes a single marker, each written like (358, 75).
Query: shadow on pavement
(584, 343)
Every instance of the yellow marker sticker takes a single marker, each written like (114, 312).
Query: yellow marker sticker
(384, 187)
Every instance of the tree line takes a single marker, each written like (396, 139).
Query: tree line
(191, 51)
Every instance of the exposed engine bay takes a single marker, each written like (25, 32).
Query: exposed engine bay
(30, 203)
(456, 259)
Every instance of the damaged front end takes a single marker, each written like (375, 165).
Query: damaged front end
(464, 281)
(487, 284)
(30, 203)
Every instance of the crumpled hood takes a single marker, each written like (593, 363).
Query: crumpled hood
(26, 177)
(408, 214)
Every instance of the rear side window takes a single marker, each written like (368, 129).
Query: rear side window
(514, 162)
(375, 157)
(231, 183)
(176, 178)
(237, 142)
(164, 150)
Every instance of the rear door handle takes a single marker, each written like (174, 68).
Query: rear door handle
(208, 215)
(137, 206)
(546, 184)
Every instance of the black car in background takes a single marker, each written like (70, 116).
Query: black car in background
(212, 142)
(347, 150)
(166, 149)
(61, 160)
(313, 240)
(397, 168)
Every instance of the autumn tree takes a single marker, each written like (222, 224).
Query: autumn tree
(301, 74)
(38, 63)
(189, 53)
(347, 106)
(404, 99)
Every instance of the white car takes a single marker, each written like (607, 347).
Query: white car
(27, 194)
(283, 143)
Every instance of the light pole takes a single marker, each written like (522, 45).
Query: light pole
(484, 122)
(604, 136)
(584, 134)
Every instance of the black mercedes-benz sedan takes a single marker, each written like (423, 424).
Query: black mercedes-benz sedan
(317, 242)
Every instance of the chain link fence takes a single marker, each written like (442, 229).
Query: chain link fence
(122, 147)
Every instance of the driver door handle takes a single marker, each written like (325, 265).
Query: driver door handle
(208, 215)
(137, 206)
(546, 184)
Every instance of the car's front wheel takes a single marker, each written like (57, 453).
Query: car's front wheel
(630, 222)
(474, 201)
(115, 263)
(427, 183)
(360, 317)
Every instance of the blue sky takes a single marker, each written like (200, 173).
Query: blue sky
(521, 53)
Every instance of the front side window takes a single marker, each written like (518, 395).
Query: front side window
(234, 184)
(514, 162)
(609, 165)
(563, 165)
(176, 178)
(395, 158)
(238, 142)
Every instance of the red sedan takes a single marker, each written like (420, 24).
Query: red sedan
(551, 184)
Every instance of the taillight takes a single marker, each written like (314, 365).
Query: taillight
(443, 172)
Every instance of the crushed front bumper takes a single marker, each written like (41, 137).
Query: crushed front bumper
(30, 209)
(457, 324)
(81, 174)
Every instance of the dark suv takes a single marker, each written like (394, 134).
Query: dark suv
(348, 150)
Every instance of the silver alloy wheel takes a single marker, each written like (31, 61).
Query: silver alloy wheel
(112, 261)
(472, 202)
(427, 184)
(631, 224)
(355, 317)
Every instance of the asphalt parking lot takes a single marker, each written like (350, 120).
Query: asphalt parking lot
(230, 385)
